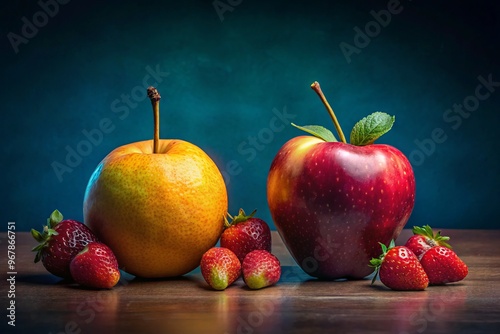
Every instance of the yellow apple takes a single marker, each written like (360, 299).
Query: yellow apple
(158, 204)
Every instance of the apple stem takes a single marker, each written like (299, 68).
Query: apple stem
(315, 86)
(155, 97)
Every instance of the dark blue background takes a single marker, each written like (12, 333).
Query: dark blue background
(228, 79)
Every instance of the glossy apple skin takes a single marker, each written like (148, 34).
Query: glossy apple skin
(332, 203)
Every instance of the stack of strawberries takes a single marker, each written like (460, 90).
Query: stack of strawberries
(69, 249)
(245, 250)
(426, 259)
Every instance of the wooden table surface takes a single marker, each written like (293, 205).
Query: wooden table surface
(297, 304)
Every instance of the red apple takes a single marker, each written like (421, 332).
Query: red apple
(333, 202)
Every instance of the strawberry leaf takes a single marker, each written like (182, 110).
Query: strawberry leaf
(377, 262)
(240, 218)
(37, 235)
(55, 218)
(370, 128)
(425, 230)
(39, 247)
(437, 238)
(38, 256)
(48, 231)
(384, 248)
(51, 232)
(317, 131)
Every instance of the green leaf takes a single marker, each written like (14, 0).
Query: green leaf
(370, 128)
(437, 238)
(51, 232)
(240, 218)
(376, 272)
(39, 247)
(375, 262)
(37, 257)
(425, 231)
(37, 235)
(384, 248)
(317, 131)
(55, 218)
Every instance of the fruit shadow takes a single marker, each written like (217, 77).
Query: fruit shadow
(294, 274)
(41, 279)
(238, 284)
(345, 284)
(141, 280)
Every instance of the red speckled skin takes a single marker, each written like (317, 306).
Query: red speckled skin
(401, 270)
(443, 265)
(95, 267)
(220, 267)
(332, 203)
(419, 244)
(263, 264)
(72, 237)
(244, 237)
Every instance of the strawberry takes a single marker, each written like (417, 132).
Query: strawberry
(59, 242)
(95, 267)
(399, 269)
(443, 265)
(261, 269)
(424, 239)
(245, 234)
(220, 267)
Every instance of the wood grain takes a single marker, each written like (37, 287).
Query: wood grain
(298, 304)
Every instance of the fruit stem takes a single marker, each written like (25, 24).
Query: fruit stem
(155, 97)
(315, 86)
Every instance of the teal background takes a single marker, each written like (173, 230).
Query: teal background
(228, 79)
